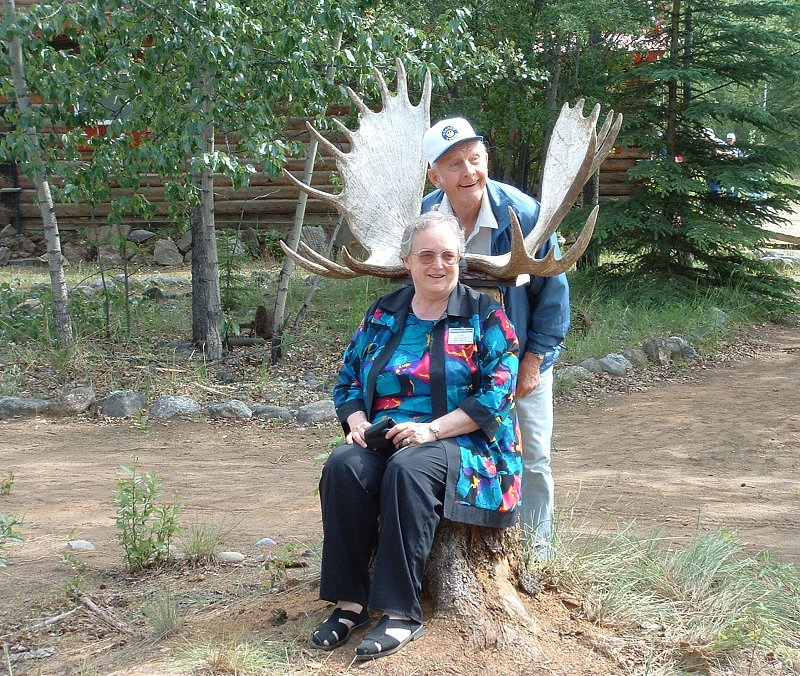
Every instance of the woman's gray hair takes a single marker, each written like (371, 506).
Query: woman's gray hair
(430, 220)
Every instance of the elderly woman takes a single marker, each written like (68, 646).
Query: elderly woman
(440, 360)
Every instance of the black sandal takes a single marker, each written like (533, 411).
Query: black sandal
(379, 644)
(337, 632)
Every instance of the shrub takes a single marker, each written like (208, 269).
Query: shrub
(144, 527)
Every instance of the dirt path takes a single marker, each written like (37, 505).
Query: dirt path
(721, 449)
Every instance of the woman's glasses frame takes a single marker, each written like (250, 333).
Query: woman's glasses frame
(429, 256)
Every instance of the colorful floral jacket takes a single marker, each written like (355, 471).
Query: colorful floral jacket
(485, 466)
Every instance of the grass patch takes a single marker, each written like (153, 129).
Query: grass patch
(239, 656)
(708, 606)
(162, 613)
(203, 539)
(610, 315)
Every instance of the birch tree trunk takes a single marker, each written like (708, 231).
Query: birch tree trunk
(206, 301)
(39, 176)
(279, 321)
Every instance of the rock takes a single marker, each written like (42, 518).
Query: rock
(682, 348)
(29, 304)
(5, 255)
(319, 411)
(573, 374)
(657, 350)
(592, 365)
(185, 242)
(77, 252)
(80, 545)
(314, 236)
(108, 255)
(616, 365)
(270, 412)
(153, 293)
(636, 357)
(139, 235)
(8, 231)
(230, 557)
(233, 408)
(171, 406)
(77, 400)
(266, 541)
(250, 238)
(119, 404)
(166, 253)
(225, 376)
(23, 406)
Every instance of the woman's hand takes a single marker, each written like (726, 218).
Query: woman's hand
(408, 434)
(358, 423)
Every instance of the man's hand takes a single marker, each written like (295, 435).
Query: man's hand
(528, 378)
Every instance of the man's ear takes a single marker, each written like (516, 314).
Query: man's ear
(434, 177)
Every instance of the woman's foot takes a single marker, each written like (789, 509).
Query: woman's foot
(345, 619)
(389, 635)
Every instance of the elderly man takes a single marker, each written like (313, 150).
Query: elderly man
(538, 309)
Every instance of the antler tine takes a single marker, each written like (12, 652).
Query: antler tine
(606, 137)
(314, 192)
(385, 95)
(391, 271)
(427, 87)
(343, 128)
(402, 80)
(563, 180)
(325, 143)
(324, 271)
(327, 263)
(362, 107)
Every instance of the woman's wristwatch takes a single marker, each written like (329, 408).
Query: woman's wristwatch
(434, 427)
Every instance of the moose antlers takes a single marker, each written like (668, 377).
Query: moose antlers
(383, 177)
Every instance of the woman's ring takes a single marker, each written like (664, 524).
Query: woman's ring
(407, 442)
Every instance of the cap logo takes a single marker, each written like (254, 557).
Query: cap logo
(449, 133)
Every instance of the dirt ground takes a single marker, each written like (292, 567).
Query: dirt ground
(712, 447)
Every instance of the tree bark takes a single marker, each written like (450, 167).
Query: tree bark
(39, 176)
(206, 301)
(590, 197)
(473, 575)
(550, 110)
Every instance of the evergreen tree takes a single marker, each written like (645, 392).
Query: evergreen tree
(699, 202)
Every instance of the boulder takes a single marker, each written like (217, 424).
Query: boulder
(5, 255)
(170, 406)
(636, 357)
(23, 406)
(657, 350)
(573, 374)
(616, 365)
(233, 409)
(140, 235)
(185, 242)
(119, 404)
(166, 253)
(319, 411)
(270, 412)
(76, 401)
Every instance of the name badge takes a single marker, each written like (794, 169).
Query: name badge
(460, 336)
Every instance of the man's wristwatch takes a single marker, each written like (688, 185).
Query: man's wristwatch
(434, 427)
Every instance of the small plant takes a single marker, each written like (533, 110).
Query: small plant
(74, 563)
(7, 483)
(10, 380)
(202, 540)
(163, 614)
(144, 527)
(279, 562)
(7, 533)
(237, 656)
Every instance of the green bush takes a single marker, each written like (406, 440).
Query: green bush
(8, 534)
(144, 527)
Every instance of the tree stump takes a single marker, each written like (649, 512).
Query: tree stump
(473, 575)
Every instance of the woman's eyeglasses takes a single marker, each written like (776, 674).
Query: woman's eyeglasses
(429, 256)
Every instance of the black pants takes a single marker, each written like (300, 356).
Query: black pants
(357, 487)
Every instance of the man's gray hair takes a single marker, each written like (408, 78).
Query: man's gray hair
(430, 220)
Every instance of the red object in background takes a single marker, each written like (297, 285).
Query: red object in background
(101, 129)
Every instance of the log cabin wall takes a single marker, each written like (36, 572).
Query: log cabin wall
(268, 203)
